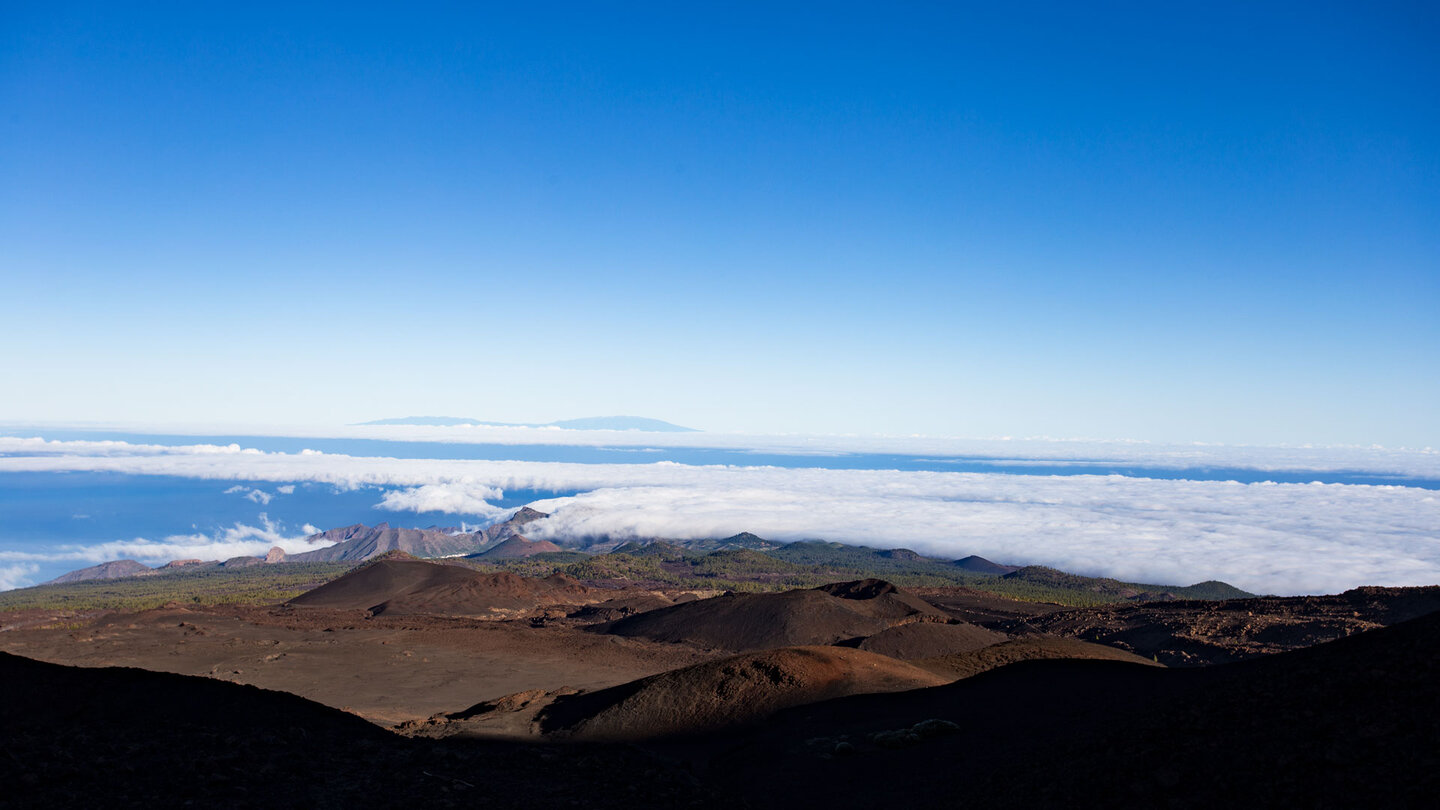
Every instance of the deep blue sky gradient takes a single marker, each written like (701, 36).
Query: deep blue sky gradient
(1213, 222)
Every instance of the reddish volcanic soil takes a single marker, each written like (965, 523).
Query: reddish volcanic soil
(388, 669)
(973, 662)
(413, 587)
(782, 724)
(728, 692)
(929, 639)
(1336, 725)
(692, 700)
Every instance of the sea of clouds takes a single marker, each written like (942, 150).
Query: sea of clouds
(1423, 462)
(237, 540)
(1264, 537)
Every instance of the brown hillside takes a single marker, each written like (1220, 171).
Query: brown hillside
(728, 692)
(400, 587)
(115, 569)
(1349, 723)
(878, 598)
(983, 659)
(489, 595)
(929, 640)
(372, 584)
(790, 619)
(517, 546)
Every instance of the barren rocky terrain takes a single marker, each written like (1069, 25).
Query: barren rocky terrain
(386, 669)
(497, 689)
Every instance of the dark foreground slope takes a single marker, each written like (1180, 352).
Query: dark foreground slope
(1337, 725)
(74, 737)
(1341, 724)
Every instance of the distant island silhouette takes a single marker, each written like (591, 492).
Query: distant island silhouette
(584, 423)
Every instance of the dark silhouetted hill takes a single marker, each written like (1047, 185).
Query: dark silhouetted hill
(980, 565)
(1348, 723)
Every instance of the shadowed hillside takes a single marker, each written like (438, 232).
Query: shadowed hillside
(1335, 725)
(928, 639)
(789, 619)
(128, 738)
(731, 691)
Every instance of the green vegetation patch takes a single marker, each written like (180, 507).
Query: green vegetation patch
(1041, 576)
(807, 565)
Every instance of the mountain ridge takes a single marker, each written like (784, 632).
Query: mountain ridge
(742, 561)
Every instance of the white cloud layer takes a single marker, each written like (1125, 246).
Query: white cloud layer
(239, 540)
(1269, 538)
(470, 500)
(1274, 538)
(16, 575)
(1416, 462)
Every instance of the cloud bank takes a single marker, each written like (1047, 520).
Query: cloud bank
(239, 540)
(16, 575)
(1273, 538)
(1267, 538)
(1413, 462)
(471, 499)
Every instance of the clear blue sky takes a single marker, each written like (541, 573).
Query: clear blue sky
(1214, 223)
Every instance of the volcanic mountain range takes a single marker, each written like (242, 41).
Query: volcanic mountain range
(360, 542)
(620, 562)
